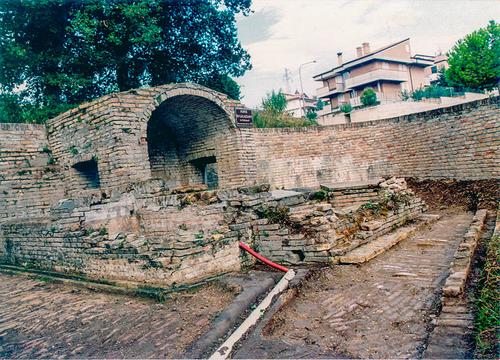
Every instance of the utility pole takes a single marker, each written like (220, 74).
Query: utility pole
(287, 79)
(302, 88)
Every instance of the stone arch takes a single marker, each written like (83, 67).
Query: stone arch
(188, 138)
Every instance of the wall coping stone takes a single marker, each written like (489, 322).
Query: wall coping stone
(373, 183)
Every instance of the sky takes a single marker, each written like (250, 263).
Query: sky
(281, 34)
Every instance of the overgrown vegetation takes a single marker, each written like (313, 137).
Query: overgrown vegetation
(487, 321)
(274, 115)
(434, 92)
(277, 215)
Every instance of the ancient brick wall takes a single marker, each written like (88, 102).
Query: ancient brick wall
(459, 142)
(145, 234)
(29, 181)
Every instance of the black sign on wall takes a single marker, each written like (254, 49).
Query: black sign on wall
(243, 118)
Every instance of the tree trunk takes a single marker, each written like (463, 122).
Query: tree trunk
(122, 76)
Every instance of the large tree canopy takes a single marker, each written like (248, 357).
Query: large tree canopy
(475, 60)
(58, 52)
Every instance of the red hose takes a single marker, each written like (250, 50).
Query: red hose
(262, 258)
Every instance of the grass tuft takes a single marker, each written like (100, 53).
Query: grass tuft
(487, 322)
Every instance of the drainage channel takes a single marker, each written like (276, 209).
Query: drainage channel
(226, 348)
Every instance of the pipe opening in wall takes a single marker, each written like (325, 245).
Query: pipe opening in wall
(207, 166)
(299, 254)
(88, 174)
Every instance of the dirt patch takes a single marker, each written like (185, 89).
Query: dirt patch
(461, 195)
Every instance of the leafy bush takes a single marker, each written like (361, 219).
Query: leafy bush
(16, 109)
(268, 119)
(347, 108)
(320, 105)
(369, 97)
(224, 84)
(434, 92)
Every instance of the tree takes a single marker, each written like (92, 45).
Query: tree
(441, 80)
(56, 52)
(320, 105)
(311, 114)
(475, 60)
(223, 84)
(274, 102)
(274, 114)
(369, 97)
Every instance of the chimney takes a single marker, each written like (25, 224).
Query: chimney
(359, 51)
(339, 57)
(366, 48)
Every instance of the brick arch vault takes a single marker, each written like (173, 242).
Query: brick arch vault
(187, 138)
(191, 138)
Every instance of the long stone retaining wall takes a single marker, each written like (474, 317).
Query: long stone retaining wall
(149, 235)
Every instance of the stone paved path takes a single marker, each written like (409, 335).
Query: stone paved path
(43, 320)
(381, 309)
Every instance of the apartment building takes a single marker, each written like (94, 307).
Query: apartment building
(297, 106)
(388, 70)
(432, 72)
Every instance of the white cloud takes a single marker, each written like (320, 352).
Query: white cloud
(297, 31)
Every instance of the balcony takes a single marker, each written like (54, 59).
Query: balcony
(376, 75)
(326, 91)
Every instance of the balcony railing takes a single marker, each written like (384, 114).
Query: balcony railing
(325, 90)
(376, 75)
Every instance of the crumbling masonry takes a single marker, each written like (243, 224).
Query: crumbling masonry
(158, 185)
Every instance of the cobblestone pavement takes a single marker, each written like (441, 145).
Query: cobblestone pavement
(382, 309)
(44, 320)
(452, 337)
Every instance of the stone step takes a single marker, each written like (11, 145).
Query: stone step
(383, 243)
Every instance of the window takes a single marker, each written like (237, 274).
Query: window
(434, 69)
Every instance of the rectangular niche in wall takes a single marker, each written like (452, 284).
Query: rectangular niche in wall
(87, 174)
(207, 167)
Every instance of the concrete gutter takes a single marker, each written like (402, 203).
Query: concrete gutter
(254, 285)
(227, 347)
